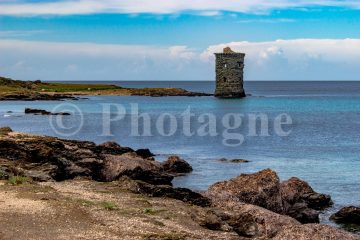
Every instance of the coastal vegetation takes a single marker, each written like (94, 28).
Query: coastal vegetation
(18, 180)
(9, 85)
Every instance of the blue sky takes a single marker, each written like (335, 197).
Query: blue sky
(176, 39)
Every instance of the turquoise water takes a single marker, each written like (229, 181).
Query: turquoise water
(323, 147)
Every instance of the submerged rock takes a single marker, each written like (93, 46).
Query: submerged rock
(233, 160)
(43, 112)
(293, 197)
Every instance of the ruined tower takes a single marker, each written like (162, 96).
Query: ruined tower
(229, 74)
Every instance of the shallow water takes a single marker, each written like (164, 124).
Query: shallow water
(323, 147)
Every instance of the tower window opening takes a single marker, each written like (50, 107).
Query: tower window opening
(225, 65)
(224, 79)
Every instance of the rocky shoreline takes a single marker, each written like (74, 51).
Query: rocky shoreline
(36, 97)
(171, 92)
(250, 206)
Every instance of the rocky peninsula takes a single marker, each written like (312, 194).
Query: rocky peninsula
(53, 188)
(13, 90)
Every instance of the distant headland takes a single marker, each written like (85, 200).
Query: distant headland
(37, 90)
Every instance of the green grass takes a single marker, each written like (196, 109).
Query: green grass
(8, 85)
(18, 180)
(109, 206)
(84, 202)
(149, 211)
(67, 87)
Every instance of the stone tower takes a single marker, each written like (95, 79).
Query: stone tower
(229, 74)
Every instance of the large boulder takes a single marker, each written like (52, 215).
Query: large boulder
(296, 190)
(135, 167)
(261, 189)
(347, 215)
(176, 165)
(294, 197)
(300, 201)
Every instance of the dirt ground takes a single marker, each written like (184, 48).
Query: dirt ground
(82, 209)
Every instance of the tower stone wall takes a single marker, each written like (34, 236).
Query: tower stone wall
(230, 74)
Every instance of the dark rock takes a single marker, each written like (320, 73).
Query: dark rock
(183, 194)
(347, 215)
(293, 197)
(163, 92)
(35, 97)
(131, 165)
(295, 190)
(48, 158)
(301, 212)
(234, 160)
(113, 148)
(144, 153)
(176, 165)
(43, 112)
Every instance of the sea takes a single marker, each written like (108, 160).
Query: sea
(321, 144)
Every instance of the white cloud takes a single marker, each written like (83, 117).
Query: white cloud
(95, 50)
(274, 20)
(12, 34)
(181, 52)
(312, 59)
(207, 7)
(330, 50)
(299, 59)
(67, 61)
